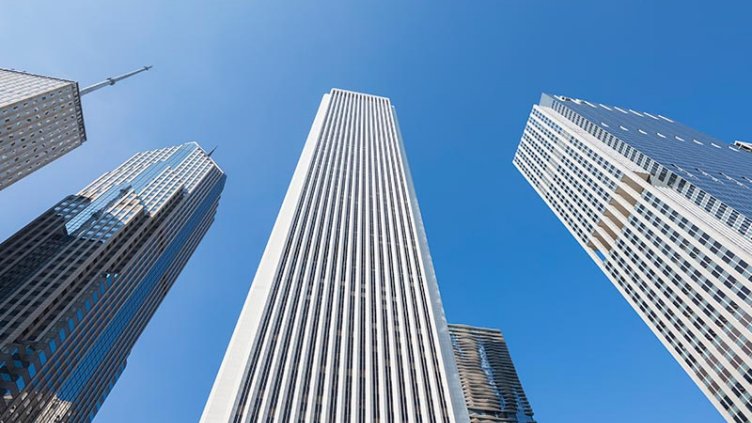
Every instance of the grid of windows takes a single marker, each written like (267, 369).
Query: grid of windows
(79, 284)
(666, 220)
(40, 120)
(728, 204)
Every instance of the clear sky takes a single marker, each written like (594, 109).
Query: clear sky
(247, 77)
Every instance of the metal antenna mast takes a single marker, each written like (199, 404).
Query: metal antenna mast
(112, 81)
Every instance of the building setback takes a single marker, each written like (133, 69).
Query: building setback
(493, 392)
(40, 120)
(343, 321)
(79, 284)
(664, 210)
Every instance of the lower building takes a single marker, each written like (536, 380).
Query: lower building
(493, 392)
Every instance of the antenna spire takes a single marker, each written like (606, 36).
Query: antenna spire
(112, 81)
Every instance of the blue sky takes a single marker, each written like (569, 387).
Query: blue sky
(247, 77)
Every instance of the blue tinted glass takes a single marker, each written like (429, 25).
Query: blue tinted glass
(94, 357)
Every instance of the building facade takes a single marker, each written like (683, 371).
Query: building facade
(40, 120)
(79, 284)
(665, 211)
(493, 392)
(343, 321)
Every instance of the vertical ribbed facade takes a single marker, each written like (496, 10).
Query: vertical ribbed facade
(343, 321)
(493, 392)
(40, 120)
(666, 212)
(79, 284)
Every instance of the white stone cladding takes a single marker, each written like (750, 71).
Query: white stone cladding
(343, 321)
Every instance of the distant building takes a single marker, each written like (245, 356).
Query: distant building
(665, 211)
(493, 392)
(343, 322)
(79, 284)
(40, 120)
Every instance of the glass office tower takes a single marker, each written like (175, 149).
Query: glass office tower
(343, 321)
(665, 211)
(493, 392)
(40, 120)
(79, 284)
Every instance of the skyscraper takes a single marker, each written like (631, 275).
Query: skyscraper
(343, 321)
(665, 211)
(493, 392)
(79, 284)
(40, 120)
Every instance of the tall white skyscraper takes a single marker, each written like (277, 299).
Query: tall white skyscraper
(343, 321)
(665, 211)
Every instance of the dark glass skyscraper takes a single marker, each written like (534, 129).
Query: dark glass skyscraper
(666, 212)
(79, 284)
(493, 392)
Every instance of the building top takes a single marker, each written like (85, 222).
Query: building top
(340, 90)
(17, 85)
(146, 182)
(718, 168)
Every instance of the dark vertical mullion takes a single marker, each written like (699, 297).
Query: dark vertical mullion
(413, 266)
(334, 236)
(340, 348)
(305, 277)
(403, 278)
(283, 273)
(241, 402)
(318, 267)
(394, 272)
